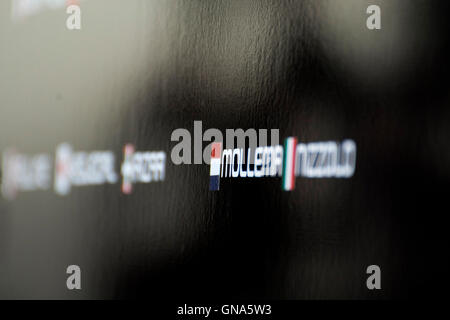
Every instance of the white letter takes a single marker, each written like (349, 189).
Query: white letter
(374, 281)
(74, 20)
(74, 280)
(259, 162)
(277, 165)
(235, 173)
(374, 21)
(198, 142)
(184, 145)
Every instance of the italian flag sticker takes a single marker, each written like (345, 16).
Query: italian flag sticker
(289, 163)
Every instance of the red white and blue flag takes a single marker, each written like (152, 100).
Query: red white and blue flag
(214, 173)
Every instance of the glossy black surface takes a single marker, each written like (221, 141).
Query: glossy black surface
(140, 69)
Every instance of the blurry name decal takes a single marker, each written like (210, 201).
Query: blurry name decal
(143, 167)
(82, 168)
(22, 172)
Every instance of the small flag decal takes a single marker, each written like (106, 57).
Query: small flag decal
(289, 164)
(128, 151)
(214, 173)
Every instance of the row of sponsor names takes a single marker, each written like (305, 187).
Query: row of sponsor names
(22, 172)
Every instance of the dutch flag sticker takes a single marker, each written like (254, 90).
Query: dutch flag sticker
(214, 173)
